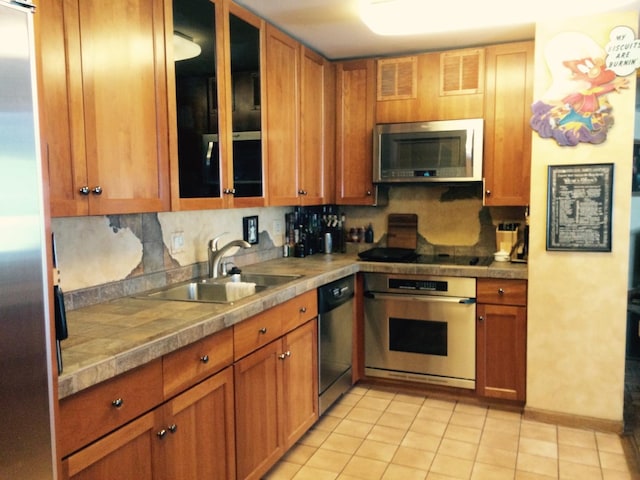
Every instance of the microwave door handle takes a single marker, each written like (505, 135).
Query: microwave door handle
(421, 298)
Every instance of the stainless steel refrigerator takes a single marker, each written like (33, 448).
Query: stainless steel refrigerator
(27, 448)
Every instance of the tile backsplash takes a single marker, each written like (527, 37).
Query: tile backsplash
(105, 257)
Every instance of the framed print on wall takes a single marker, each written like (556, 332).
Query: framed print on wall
(250, 229)
(579, 207)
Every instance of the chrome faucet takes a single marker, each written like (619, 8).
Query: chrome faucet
(216, 254)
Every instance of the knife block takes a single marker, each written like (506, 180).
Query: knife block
(506, 239)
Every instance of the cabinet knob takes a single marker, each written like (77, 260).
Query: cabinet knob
(285, 355)
(97, 190)
(303, 309)
(229, 191)
(487, 193)
(118, 402)
(481, 318)
(172, 428)
(368, 193)
(263, 330)
(204, 359)
(500, 291)
(161, 433)
(302, 192)
(84, 190)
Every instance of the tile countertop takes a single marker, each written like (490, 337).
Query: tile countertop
(111, 338)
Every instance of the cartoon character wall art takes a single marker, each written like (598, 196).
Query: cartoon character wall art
(575, 108)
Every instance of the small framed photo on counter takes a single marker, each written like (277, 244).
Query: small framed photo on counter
(250, 229)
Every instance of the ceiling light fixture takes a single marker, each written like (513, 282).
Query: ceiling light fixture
(412, 17)
(184, 47)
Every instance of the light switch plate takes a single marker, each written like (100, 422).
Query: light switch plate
(177, 242)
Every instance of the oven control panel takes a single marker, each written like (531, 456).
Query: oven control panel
(413, 284)
(420, 284)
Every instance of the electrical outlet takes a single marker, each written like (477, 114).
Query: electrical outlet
(177, 242)
(277, 227)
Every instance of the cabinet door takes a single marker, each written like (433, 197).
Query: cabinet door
(197, 87)
(258, 383)
(507, 138)
(501, 351)
(300, 369)
(245, 64)
(355, 92)
(65, 163)
(118, 47)
(314, 129)
(128, 451)
(282, 69)
(430, 86)
(198, 432)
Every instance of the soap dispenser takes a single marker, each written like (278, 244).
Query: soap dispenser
(234, 273)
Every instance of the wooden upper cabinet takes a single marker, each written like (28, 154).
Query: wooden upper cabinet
(216, 131)
(317, 134)
(105, 127)
(431, 86)
(507, 134)
(282, 87)
(299, 91)
(355, 98)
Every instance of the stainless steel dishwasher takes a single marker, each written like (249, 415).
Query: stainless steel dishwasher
(335, 340)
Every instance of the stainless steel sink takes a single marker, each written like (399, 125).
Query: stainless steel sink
(267, 279)
(219, 290)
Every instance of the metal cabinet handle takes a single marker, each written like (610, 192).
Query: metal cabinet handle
(172, 428)
(84, 190)
(263, 330)
(368, 193)
(500, 291)
(161, 433)
(204, 359)
(488, 193)
(303, 309)
(118, 402)
(285, 355)
(97, 190)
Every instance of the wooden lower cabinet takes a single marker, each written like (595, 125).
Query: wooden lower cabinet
(501, 339)
(276, 399)
(189, 437)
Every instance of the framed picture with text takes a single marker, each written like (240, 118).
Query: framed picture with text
(579, 207)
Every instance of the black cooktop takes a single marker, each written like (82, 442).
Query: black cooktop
(404, 255)
(444, 259)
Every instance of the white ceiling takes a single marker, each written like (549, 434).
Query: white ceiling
(333, 28)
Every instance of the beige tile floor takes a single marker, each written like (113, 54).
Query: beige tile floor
(372, 434)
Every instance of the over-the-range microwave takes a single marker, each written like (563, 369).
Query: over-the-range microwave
(435, 151)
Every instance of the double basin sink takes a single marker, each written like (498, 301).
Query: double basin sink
(220, 290)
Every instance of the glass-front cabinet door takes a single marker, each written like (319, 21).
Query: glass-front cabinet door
(218, 140)
(246, 114)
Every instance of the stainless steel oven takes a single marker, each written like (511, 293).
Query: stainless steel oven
(421, 328)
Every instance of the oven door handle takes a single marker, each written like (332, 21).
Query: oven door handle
(420, 298)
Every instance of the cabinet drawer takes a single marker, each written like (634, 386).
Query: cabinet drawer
(189, 365)
(92, 413)
(299, 310)
(254, 332)
(502, 292)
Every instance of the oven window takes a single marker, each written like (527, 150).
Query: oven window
(418, 336)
